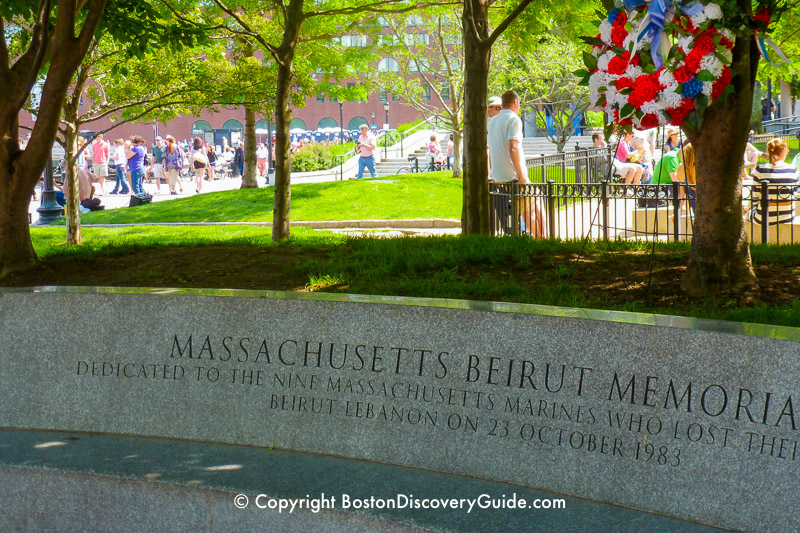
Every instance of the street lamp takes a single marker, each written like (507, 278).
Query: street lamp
(341, 123)
(386, 126)
(50, 212)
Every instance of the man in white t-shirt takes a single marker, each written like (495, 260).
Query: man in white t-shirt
(508, 158)
(505, 142)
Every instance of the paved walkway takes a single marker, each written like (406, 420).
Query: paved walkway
(116, 201)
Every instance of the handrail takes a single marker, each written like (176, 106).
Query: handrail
(780, 119)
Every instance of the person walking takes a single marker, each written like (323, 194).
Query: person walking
(199, 162)
(366, 145)
(172, 163)
(136, 156)
(508, 157)
(120, 168)
(262, 154)
(156, 166)
(100, 157)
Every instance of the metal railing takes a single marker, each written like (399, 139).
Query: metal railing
(584, 166)
(782, 126)
(609, 210)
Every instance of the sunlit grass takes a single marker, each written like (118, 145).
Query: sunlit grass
(431, 195)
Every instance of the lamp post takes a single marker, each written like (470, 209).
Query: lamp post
(341, 122)
(49, 210)
(386, 125)
(372, 124)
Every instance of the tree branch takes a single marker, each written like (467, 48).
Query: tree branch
(376, 7)
(472, 27)
(273, 50)
(182, 18)
(508, 20)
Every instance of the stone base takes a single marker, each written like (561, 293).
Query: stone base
(56, 481)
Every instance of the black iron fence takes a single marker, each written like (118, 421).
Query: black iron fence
(608, 210)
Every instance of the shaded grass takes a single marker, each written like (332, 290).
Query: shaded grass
(609, 275)
(431, 195)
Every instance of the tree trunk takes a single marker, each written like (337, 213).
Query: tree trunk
(16, 250)
(20, 170)
(250, 160)
(283, 162)
(457, 135)
(720, 256)
(72, 189)
(475, 217)
(283, 120)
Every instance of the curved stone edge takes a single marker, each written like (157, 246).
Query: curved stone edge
(644, 319)
(52, 500)
(76, 481)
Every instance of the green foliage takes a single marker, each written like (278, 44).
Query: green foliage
(319, 156)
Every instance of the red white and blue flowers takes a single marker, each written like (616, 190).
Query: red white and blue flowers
(654, 64)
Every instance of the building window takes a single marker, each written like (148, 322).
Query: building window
(414, 21)
(422, 38)
(351, 86)
(320, 98)
(419, 64)
(354, 40)
(445, 90)
(334, 100)
(387, 64)
(426, 92)
(382, 95)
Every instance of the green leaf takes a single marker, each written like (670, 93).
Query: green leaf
(601, 101)
(581, 73)
(626, 91)
(724, 60)
(705, 75)
(673, 51)
(609, 131)
(679, 90)
(648, 68)
(590, 61)
(701, 102)
(626, 111)
(593, 41)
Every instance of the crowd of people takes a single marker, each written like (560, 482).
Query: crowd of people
(129, 164)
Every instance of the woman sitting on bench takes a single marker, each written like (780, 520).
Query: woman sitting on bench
(783, 181)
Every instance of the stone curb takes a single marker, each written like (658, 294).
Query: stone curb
(316, 224)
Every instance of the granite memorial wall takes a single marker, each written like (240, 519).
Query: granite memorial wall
(689, 418)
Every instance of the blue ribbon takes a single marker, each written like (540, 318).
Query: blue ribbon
(656, 9)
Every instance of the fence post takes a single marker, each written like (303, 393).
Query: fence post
(765, 211)
(563, 168)
(416, 165)
(551, 209)
(604, 199)
(544, 171)
(514, 212)
(676, 209)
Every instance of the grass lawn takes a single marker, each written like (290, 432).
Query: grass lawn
(609, 275)
(430, 195)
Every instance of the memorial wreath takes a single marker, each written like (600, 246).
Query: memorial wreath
(656, 63)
